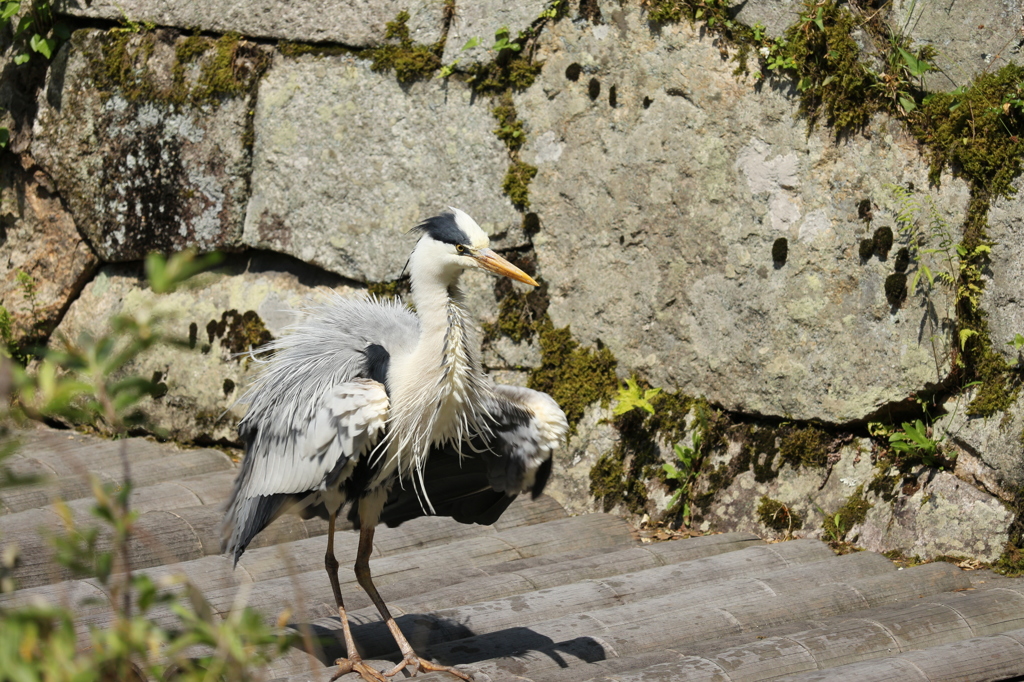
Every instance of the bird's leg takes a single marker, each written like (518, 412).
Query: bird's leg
(354, 661)
(409, 657)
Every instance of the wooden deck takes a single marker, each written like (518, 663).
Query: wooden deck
(539, 596)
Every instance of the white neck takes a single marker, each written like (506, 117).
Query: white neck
(435, 388)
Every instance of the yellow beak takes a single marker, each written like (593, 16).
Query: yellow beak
(492, 262)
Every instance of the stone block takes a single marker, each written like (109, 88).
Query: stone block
(665, 185)
(1003, 299)
(215, 313)
(482, 19)
(356, 23)
(145, 152)
(970, 38)
(37, 238)
(347, 161)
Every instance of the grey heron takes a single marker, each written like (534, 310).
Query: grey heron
(368, 405)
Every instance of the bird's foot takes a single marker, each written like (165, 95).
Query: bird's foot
(356, 664)
(416, 664)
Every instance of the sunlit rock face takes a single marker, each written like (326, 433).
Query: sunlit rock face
(665, 184)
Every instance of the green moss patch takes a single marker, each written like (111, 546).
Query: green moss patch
(976, 131)
(516, 184)
(621, 476)
(777, 516)
(574, 375)
(510, 128)
(509, 71)
(294, 49)
(239, 332)
(389, 290)
(519, 314)
(806, 446)
(409, 62)
(838, 524)
(832, 81)
(204, 73)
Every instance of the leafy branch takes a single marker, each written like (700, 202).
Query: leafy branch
(40, 642)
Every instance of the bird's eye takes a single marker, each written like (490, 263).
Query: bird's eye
(460, 249)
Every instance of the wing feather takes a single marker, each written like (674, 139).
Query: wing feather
(477, 482)
(288, 461)
(312, 410)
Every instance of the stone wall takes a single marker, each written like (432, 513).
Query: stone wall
(680, 212)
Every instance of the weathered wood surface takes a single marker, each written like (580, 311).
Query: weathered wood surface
(875, 633)
(994, 657)
(617, 601)
(308, 595)
(574, 641)
(68, 478)
(539, 597)
(206, 489)
(417, 596)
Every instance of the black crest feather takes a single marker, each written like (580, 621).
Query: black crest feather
(444, 228)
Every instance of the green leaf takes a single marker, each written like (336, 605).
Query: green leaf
(907, 104)
(916, 67)
(966, 334)
(818, 19)
(43, 46)
(22, 58)
(10, 9)
(1017, 342)
(23, 25)
(471, 43)
(166, 274)
(630, 398)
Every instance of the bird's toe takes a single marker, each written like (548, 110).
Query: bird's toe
(368, 673)
(415, 664)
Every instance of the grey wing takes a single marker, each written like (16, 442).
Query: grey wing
(290, 460)
(318, 403)
(529, 427)
(477, 482)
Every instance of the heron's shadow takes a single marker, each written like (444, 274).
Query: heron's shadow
(448, 642)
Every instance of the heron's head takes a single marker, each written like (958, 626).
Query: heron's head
(453, 242)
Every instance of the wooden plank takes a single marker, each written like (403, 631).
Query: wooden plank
(990, 611)
(676, 551)
(307, 555)
(308, 594)
(35, 552)
(100, 455)
(982, 658)
(310, 591)
(70, 593)
(871, 634)
(666, 621)
(878, 670)
(550, 537)
(623, 599)
(612, 668)
(422, 594)
(527, 512)
(639, 558)
(210, 489)
(37, 437)
(72, 483)
(160, 496)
